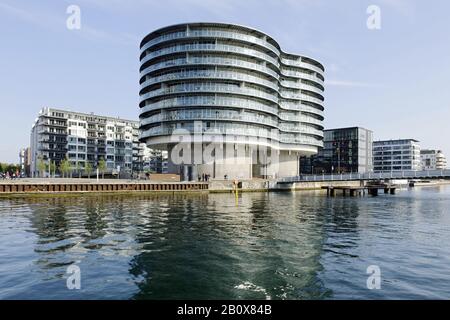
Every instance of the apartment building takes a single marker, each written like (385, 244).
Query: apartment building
(83, 138)
(396, 155)
(433, 160)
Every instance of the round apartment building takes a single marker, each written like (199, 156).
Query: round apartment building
(210, 80)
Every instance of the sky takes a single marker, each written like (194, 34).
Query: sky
(394, 80)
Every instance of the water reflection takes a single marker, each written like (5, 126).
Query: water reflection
(198, 246)
(211, 248)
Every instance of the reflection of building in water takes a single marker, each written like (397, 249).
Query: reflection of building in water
(207, 247)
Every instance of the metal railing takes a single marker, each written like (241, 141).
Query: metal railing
(425, 174)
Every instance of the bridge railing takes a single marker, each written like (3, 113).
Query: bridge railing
(410, 174)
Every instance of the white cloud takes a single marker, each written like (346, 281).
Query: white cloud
(351, 84)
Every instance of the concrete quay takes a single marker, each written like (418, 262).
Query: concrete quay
(54, 186)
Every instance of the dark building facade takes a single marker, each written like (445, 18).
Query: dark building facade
(346, 150)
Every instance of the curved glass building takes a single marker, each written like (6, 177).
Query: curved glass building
(211, 79)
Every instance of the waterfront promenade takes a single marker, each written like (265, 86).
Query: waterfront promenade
(36, 186)
(172, 184)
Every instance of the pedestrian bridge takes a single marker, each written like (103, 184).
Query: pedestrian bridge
(409, 175)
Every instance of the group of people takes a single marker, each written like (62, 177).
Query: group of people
(10, 175)
(204, 177)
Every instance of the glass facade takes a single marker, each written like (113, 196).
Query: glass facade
(346, 150)
(234, 80)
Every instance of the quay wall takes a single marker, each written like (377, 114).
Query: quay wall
(38, 186)
(42, 186)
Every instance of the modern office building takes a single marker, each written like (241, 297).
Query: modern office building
(263, 108)
(396, 155)
(433, 160)
(86, 138)
(346, 150)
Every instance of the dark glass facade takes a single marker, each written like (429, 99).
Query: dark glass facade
(345, 150)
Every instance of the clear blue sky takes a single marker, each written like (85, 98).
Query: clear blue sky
(395, 81)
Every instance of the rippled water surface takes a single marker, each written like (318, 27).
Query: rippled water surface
(257, 246)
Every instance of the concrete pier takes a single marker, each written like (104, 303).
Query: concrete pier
(359, 191)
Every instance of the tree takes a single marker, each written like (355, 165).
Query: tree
(64, 167)
(102, 167)
(79, 168)
(3, 167)
(88, 169)
(52, 168)
(42, 167)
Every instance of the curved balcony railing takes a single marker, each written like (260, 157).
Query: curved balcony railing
(210, 75)
(211, 89)
(311, 120)
(300, 139)
(210, 47)
(300, 64)
(248, 131)
(301, 86)
(208, 116)
(289, 117)
(300, 107)
(301, 97)
(299, 128)
(214, 61)
(252, 132)
(231, 35)
(213, 102)
(313, 110)
(301, 75)
(209, 34)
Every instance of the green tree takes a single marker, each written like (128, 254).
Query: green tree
(52, 168)
(102, 167)
(64, 167)
(42, 167)
(3, 167)
(88, 169)
(79, 169)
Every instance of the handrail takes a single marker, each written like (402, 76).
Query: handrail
(407, 174)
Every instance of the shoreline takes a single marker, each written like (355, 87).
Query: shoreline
(80, 187)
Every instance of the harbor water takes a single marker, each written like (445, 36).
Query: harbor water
(286, 245)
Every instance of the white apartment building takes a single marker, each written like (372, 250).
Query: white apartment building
(86, 138)
(433, 160)
(396, 155)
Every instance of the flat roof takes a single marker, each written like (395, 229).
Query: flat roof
(347, 128)
(396, 140)
(88, 114)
